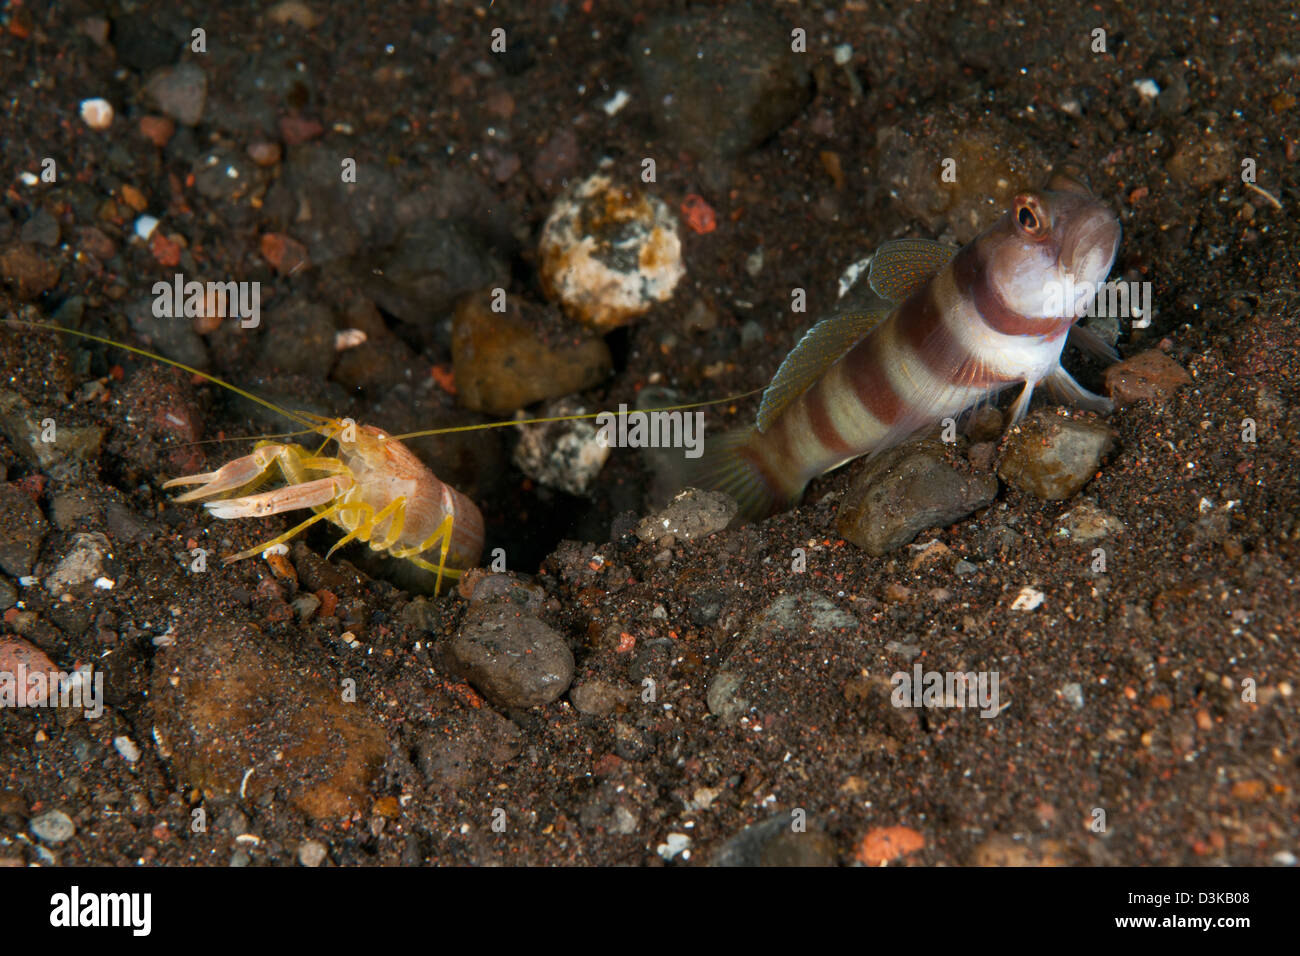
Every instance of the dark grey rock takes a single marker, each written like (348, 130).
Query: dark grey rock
(775, 842)
(692, 514)
(907, 490)
(22, 529)
(1053, 457)
(720, 82)
(179, 91)
(511, 657)
(141, 44)
(42, 229)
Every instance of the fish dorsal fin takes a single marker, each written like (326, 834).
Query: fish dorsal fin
(901, 267)
(817, 351)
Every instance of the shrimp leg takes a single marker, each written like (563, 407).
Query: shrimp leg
(443, 534)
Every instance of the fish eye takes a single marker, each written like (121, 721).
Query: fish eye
(1030, 217)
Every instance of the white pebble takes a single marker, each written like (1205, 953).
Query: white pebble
(615, 103)
(843, 54)
(1147, 89)
(1028, 599)
(144, 227)
(346, 339)
(97, 113)
(674, 845)
(127, 748)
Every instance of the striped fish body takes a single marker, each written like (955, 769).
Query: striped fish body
(951, 330)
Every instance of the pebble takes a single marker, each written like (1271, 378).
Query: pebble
(905, 491)
(567, 456)
(1028, 599)
(312, 853)
(140, 43)
(305, 605)
(1053, 457)
(885, 844)
(22, 529)
(720, 82)
(127, 748)
(478, 585)
(774, 842)
(1149, 376)
(506, 361)
(675, 845)
(27, 271)
(1017, 851)
(511, 657)
(599, 698)
(157, 129)
(1087, 522)
(431, 265)
(692, 515)
(84, 563)
(557, 159)
(1072, 694)
(1200, 160)
(15, 653)
(53, 826)
(97, 113)
(179, 91)
(228, 701)
(609, 253)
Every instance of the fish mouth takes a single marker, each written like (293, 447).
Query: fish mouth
(1088, 249)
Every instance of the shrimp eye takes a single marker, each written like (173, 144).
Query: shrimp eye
(1031, 218)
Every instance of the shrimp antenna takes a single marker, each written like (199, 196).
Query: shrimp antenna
(569, 418)
(145, 353)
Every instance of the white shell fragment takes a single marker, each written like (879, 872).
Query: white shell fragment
(608, 253)
(1028, 599)
(97, 113)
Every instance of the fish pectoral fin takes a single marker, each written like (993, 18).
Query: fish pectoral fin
(1064, 388)
(819, 349)
(1086, 340)
(901, 267)
(1021, 405)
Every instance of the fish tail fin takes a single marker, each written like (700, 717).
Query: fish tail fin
(733, 464)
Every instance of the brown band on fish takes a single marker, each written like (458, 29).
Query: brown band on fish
(973, 281)
(823, 427)
(922, 328)
(865, 366)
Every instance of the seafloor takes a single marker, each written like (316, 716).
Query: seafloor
(722, 705)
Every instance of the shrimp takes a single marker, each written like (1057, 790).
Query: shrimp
(374, 488)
